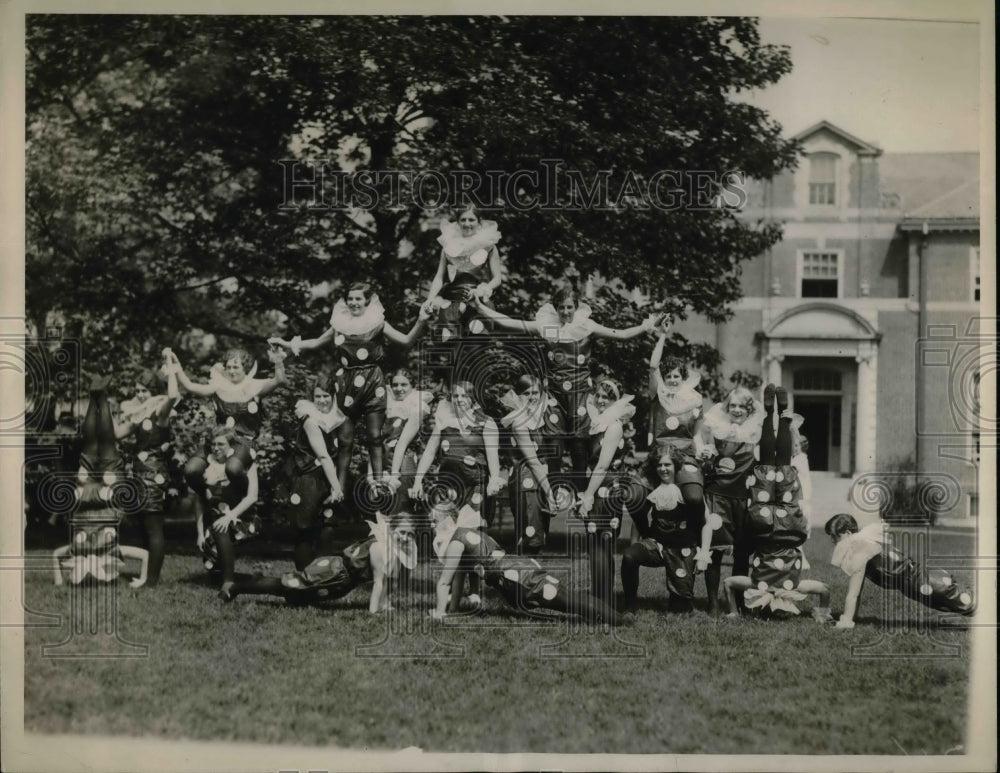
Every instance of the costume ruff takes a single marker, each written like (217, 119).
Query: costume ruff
(666, 496)
(347, 324)
(854, 551)
(723, 427)
(306, 409)
(135, 412)
(417, 403)
(455, 245)
(551, 329)
(685, 398)
(621, 410)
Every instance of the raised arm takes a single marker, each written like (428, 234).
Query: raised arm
(270, 384)
(173, 395)
(406, 341)
(520, 325)
(648, 324)
(203, 390)
(655, 379)
(297, 344)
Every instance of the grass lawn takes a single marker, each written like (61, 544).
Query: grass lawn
(259, 670)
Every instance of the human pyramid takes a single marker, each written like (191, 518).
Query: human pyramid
(729, 480)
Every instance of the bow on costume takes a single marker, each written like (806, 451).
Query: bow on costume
(778, 600)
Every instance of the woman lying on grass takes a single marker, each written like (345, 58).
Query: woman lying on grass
(521, 580)
(376, 559)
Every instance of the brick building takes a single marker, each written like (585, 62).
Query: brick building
(867, 310)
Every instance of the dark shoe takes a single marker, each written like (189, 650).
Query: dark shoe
(782, 395)
(228, 592)
(100, 383)
(769, 398)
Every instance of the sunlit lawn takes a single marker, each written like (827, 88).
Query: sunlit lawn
(260, 670)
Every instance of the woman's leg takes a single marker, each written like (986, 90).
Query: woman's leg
(713, 578)
(630, 575)
(257, 586)
(98, 426)
(578, 455)
(591, 609)
(373, 427)
(227, 556)
(345, 444)
(767, 431)
(153, 523)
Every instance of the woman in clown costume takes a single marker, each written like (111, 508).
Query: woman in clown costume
(730, 433)
(376, 559)
(145, 422)
(521, 581)
(609, 494)
(776, 525)
(868, 553)
(468, 269)
(675, 417)
(465, 441)
(314, 477)
(235, 391)
(93, 554)
(406, 409)
(537, 428)
(669, 533)
(566, 329)
(358, 330)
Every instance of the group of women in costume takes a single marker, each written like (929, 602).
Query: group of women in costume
(714, 483)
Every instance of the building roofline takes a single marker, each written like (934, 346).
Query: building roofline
(938, 224)
(864, 148)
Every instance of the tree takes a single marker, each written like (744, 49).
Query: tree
(157, 200)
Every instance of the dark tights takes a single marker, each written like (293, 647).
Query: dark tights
(153, 525)
(776, 451)
(578, 454)
(99, 428)
(345, 437)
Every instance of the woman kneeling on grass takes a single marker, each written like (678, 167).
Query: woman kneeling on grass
(868, 552)
(521, 580)
(777, 528)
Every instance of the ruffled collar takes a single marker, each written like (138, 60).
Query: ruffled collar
(243, 392)
(685, 398)
(666, 496)
(620, 410)
(96, 565)
(307, 409)
(724, 429)
(853, 551)
(346, 323)
(414, 404)
(521, 414)
(475, 247)
(446, 416)
(135, 412)
(551, 329)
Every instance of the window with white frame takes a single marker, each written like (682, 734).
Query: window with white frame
(823, 179)
(974, 272)
(819, 275)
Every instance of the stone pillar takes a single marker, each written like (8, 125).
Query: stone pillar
(867, 359)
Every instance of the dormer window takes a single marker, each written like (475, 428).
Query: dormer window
(823, 179)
